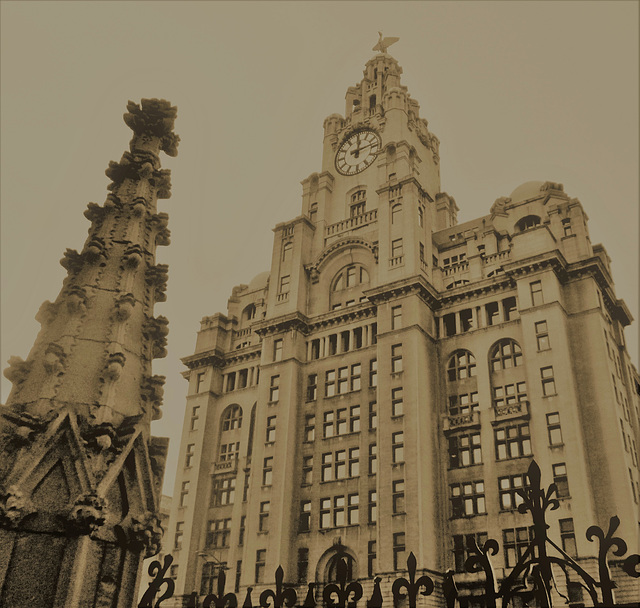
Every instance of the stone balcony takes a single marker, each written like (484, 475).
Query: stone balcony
(224, 467)
(460, 421)
(352, 223)
(510, 411)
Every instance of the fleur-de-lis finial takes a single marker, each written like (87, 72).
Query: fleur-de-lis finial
(220, 600)
(281, 595)
(341, 590)
(412, 585)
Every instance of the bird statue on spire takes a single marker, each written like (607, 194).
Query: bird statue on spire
(384, 43)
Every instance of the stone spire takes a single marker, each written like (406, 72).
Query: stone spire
(80, 476)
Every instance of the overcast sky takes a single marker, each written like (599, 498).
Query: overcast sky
(515, 91)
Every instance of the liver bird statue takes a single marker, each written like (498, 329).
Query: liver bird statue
(384, 43)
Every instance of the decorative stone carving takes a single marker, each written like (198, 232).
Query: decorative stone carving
(71, 261)
(95, 250)
(124, 306)
(552, 186)
(154, 117)
(14, 507)
(139, 206)
(76, 300)
(157, 277)
(158, 450)
(47, 312)
(113, 202)
(94, 212)
(160, 223)
(156, 329)
(133, 256)
(18, 370)
(146, 534)
(54, 359)
(87, 514)
(152, 392)
(133, 166)
(499, 206)
(115, 363)
(162, 181)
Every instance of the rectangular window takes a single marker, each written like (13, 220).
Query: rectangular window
(536, 293)
(328, 425)
(284, 283)
(194, 418)
(338, 511)
(277, 350)
(309, 427)
(422, 252)
(491, 310)
(271, 429)
(373, 415)
(354, 419)
(356, 373)
(373, 507)
(463, 404)
(397, 404)
(373, 459)
(325, 513)
(184, 492)
(542, 335)
(330, 383)
(467, 499)
(464, 450)
(560, 479)
(568, 537)
(461, 547)
(353, 502)
(397, 496)
(177, 544)
(333, 343)
(267, 471)
(399, 559)
(188, 461)
(396, 358)
(553, 428)
(515, 542)
(223, 491)
(397, 447)
(243, 526)
(510, 394)
(315, 349)
(243, 378)
(396, 317)
(371, 558)
(345, 336)
(357, 337)
(373, 372)
(354, 462)
(357, 209)
(231, 382)
(548, 381)
(341, 421)
(508, 488)
(340, 464)
(274, 390)
(343, 380)
(303, 565)
(229, 451)
(305, 516)
(567, 229)
(261, 558)
(509, 308)
(513, 442)
(218, 533)
(396, 248)
(263, 520)
(326, 470)
(307, 470)
(199, 381)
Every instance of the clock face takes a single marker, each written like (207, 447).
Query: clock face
(357, 152)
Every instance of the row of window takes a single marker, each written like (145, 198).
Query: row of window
(510, 442)
(468, 498)
(468, 319)
(342, 342)
(236, 380)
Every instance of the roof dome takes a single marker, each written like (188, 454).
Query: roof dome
(260, 281)
(526, 191)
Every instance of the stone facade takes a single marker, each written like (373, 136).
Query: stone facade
(384, 386)
(80, 475)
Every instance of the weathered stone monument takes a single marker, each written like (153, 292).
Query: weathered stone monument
(80, 475)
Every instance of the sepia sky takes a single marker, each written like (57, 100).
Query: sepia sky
(515, 91)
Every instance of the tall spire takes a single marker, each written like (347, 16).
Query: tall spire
(76, 455)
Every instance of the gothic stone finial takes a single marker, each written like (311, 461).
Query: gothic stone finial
(154, 117)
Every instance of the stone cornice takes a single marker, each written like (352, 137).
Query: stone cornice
(294, 321)
(212, 357)
(416, 284)
(353, 313)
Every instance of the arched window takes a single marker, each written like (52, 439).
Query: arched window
(505, 355)
(249, 313)
(530, 221)
(396, 210)
(457, 283)
(232, 418)
(462, 365)
(350, 277)
(286, 251)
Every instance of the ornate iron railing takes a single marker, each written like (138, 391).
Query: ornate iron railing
(532, 580)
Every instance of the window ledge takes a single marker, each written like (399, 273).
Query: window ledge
(556, 445)
(399, 513)
(397, 417)
(552, 395)
(469, 516)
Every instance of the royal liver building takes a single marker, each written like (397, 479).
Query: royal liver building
(385, 385)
